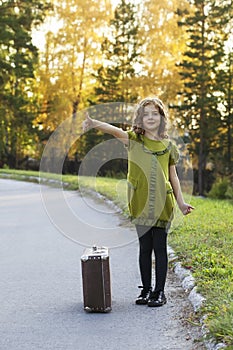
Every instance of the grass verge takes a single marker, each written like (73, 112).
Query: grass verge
(203, 243)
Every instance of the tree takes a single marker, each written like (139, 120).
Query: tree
(18, 58)
(223, 143)
(199, 71)
(72, 52)
(163, 44)
(229, 111)
(225, 83)
(121, 53)
(68, 63)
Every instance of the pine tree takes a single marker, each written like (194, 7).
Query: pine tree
(225, 82)
(121, 52)
(229, 112)
(199, 70)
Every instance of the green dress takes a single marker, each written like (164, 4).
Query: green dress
(150, 195)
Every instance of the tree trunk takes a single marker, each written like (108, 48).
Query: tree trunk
(201, 157)
(201, 164)
(229, 119)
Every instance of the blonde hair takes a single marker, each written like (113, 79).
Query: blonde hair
(138, 118)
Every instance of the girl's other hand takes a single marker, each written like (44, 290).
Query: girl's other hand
(186, 208)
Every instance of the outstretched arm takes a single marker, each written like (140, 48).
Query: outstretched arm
(120, 134)
(175, 182)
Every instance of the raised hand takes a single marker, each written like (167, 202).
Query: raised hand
(87, 123)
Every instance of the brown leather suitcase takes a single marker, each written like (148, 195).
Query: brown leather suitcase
(96, 279)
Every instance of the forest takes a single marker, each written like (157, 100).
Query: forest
(60, 58)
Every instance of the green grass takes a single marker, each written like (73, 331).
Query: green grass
(203, 241)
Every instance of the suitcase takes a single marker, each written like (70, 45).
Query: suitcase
(96, 279)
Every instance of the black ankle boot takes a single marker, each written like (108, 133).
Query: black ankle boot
(157, 299)
(144, 296)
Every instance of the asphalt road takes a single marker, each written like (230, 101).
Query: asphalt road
(40, 280)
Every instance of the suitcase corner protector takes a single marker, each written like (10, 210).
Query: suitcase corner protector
(84, 258)
(108, 309)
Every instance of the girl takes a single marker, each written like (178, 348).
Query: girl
(152, 185)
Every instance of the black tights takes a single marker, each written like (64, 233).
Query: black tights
(153, 239)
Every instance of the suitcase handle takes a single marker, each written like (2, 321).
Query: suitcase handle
(101, 252)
